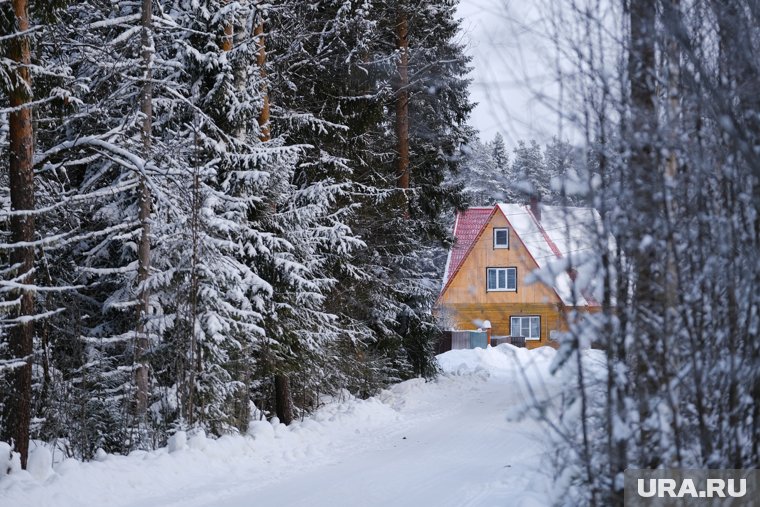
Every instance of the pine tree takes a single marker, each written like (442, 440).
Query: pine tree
(17, 395)
(438, 108)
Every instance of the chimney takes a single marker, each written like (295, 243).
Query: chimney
(535, 207)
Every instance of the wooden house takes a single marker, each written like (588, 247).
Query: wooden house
(518, 267)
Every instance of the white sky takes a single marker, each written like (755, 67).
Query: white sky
(513, 73)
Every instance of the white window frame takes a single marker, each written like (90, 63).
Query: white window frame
(496, 245)
(520, 318)
(506, 288)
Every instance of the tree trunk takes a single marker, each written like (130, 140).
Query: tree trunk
(229, 32)
(671, 325)
(283, 401)
(261, 60)
(193, 363)
(18, 402)
(402, 100)
(649, 300)
(283, 397)
(146, 107)
(673, 64)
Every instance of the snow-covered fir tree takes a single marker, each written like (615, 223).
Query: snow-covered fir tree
(486, 175)
(499, 152)
(529, 170)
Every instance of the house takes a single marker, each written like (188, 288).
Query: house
(525, 268)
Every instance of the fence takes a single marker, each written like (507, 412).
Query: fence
(456, 340)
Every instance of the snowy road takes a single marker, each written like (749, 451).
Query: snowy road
(443, 443)
(466, 454)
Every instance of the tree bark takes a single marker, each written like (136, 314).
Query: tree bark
(18, 402)
(261, 60)
(229, 32)
(283, 400)
(142, 342)
(194, 362)
(402, 99)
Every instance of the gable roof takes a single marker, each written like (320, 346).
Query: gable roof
(467, 228)
(563, 237)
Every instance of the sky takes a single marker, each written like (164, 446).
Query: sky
(512, 69)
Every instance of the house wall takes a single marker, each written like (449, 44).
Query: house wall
(468, 315)
(466, 302)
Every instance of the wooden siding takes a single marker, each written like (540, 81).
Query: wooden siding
(468, 284)
(470, 315)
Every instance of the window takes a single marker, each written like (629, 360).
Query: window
(527, 326)
(502, 279)
(501, 238)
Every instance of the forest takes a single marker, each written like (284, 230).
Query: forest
(216, 212)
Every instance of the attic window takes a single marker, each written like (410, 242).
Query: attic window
(501, 238)
(501, 279)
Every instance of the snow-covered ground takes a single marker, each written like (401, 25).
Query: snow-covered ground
(456, 441)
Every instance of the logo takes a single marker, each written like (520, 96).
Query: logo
(685, 487)
(669, 487)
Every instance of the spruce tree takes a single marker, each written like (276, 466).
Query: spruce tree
(499, 153)
(529, 171)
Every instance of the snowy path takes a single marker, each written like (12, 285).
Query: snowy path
(466, 455)
(445, 443)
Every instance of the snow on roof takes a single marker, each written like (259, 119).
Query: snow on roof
(564, 237)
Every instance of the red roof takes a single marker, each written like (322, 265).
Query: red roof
(467, 228)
